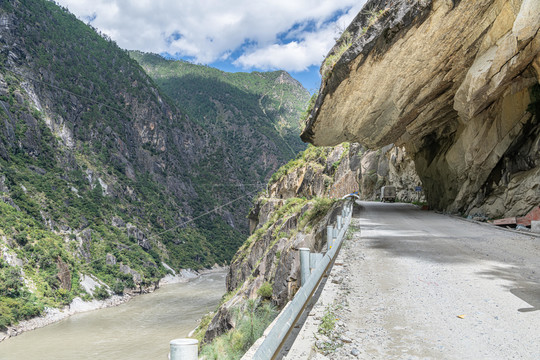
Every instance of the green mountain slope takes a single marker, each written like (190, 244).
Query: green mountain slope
(254, 118)
(100, 174)
(271, 100)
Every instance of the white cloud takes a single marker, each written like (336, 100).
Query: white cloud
(293, 56)
(211, 30)
(308, 49)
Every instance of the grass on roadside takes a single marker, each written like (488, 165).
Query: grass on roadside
(251, 321)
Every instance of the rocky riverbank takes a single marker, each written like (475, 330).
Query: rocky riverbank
(78, 305)
(52, 315)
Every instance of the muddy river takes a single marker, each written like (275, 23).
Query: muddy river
(140, 329)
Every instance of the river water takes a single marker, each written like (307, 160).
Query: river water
(140, 329)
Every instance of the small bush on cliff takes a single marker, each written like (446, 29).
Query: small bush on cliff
(315, 155)
(265, 291)
(250, 325)
(203, 326)
(319, 209)
(345, 42)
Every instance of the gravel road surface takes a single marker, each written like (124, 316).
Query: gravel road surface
(412, 284)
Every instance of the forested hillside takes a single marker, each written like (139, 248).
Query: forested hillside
(100, 173)
(252, 118)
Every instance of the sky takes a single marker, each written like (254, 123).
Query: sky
(231, 35)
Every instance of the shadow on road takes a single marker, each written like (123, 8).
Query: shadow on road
(402, 230)
(530, 296)
(524, 285)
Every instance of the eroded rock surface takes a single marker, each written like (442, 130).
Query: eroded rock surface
(456, 83)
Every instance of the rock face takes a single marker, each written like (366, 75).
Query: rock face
(271, 255)
(294, 213)
(456, 83)
(345, 169)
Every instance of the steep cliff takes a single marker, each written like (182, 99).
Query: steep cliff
(456, 83)
(252, 118)
(302, 197)
(100, 172)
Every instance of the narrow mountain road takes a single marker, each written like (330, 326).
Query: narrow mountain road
(412, 284)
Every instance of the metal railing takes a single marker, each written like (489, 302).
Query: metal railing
(313, 268)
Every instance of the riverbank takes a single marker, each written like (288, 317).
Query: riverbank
(53, 315)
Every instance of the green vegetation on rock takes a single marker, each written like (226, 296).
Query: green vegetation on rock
(105, 174)
(312, 154)
(250, 325)
(265, 291)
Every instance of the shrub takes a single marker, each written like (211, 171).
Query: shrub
(21, 238)
(328, 322)
(345, 42)
(265, 291)
(250, 325)
(101, 293)
(118, 288)
(319, 209)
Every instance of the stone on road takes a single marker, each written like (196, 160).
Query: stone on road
(421, 285)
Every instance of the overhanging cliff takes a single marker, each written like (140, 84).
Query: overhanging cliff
(456, 83)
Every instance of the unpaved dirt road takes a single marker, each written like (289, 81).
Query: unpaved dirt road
(412, 284)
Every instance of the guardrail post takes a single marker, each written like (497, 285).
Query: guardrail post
(184, 349)
(314, 259)
(338, 220)
(335, 234)
(329, 237)
(304, 265)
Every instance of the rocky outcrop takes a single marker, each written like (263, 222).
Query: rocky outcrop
(294, 213)
(455, 83)
(136, 234)
(271, 255)
(341, 170)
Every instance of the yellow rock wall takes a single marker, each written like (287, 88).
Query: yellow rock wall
(452, 82)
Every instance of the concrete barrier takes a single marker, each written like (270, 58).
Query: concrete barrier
(535, 226)
(184, 349)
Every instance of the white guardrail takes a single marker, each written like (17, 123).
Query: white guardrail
(313, 267)
(283, 326)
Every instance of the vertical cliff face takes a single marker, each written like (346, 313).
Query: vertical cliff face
(454, 82)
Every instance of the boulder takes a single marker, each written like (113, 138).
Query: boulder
(139, 236)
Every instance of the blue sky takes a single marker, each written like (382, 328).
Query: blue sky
(239, 35)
